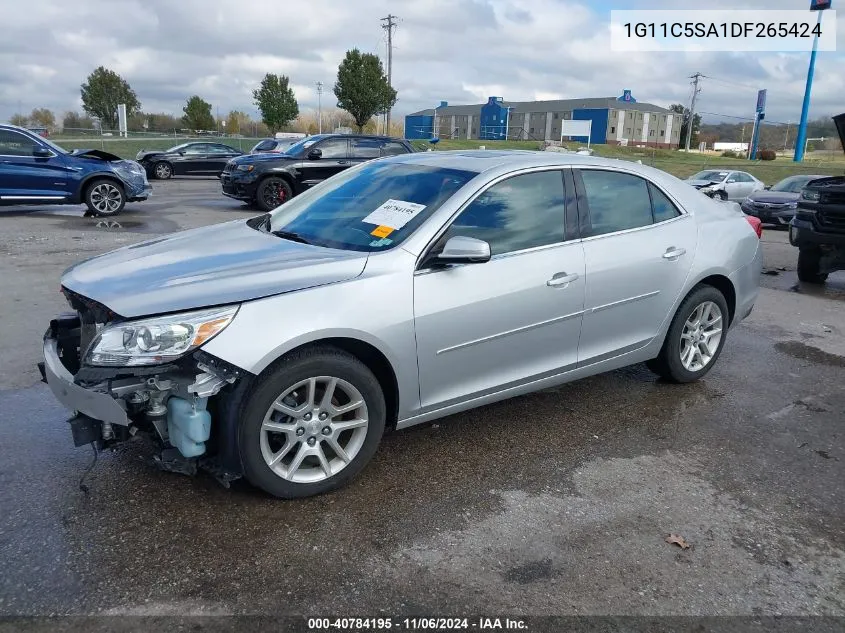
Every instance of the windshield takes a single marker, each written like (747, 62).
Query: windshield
(793, 184)
(303, 144)
(718, 176)
(370, 208)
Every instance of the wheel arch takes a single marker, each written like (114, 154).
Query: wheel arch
(369, 354)
(723, 284)
(284, 175)
(85, 183)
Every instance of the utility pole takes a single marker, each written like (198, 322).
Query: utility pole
(320, 106)
(389, 25)
(786, 137)
(691, 119)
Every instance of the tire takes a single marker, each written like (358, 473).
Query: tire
(720, 195)
(104, 198)
(272, 192)
(809, 264)
(680, 337)
(298, 437)
(162, 170)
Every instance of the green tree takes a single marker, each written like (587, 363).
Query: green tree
(103, 91)
(198, 114)
(19, 119)
(276, 101)
(361, 88)
(43, 117)
(696, 125)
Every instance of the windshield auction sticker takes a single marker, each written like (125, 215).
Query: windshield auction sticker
(394, 214)
(722, 30)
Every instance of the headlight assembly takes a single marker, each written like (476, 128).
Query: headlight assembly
(128, 169)
(246, 167)
(810, 194)
(157, 340)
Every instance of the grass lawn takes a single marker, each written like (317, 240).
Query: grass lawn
(129, 147)
(677, 163)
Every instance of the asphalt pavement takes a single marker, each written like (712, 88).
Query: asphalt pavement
(554, 503)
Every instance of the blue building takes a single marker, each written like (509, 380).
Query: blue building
(613, 120)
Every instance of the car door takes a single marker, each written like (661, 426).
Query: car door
(334, 158)
(23, 175)
(735, 187)
(217, 156)
(516, 318)
(363, 149)
(190, 161)
(638, 250)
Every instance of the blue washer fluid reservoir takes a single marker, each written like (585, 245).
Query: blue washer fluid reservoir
(188, 425)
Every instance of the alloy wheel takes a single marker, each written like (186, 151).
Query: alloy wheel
(314, 429)
(163, 171)
(106, 198)
(701, 336)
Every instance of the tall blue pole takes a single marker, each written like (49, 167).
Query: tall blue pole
(801, 139)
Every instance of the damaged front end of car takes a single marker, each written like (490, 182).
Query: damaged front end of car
(147, 377)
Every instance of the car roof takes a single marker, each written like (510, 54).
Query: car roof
(484, 160)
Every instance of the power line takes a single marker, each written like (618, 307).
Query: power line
(389, 26)
(730, 82)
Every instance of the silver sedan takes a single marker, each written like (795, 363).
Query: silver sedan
(406, 289)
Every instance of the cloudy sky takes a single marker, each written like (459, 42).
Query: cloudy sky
(460, 51)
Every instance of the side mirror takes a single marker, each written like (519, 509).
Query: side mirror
(464, 250)
(315, 154)
(181, 152)
(767, 187)
(41, 152)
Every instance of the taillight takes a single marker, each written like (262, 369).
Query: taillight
(756, 224)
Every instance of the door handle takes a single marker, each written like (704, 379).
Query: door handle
(674, 254)
(343, 162)
(561, 280)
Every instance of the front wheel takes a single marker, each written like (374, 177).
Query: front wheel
(695, 337)
(720, 195)
(311, 424)
(809, 264)
(104, 198)
(163, 171)
(272, 192)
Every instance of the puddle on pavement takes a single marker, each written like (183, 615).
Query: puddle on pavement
(787, 280)
(799, 350)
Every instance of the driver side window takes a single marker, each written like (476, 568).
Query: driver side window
(332, 148)
(520, 212)
(15, 144)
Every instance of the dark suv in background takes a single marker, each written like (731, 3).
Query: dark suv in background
(268, 180)
(818, 228)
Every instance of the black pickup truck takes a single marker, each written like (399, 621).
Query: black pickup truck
(818, 228)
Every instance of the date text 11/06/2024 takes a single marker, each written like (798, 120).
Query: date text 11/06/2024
(415, 624)
(722, 29)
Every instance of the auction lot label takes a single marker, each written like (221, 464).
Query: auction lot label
(719, 30)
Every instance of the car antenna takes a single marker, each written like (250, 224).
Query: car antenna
(82, 485)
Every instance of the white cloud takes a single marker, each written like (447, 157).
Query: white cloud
(460, 51)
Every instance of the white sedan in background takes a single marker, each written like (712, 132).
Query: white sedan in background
(725, 184)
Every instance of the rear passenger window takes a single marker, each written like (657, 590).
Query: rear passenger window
(518, 213)
(662, 206)
(616, 201)
(391, 148)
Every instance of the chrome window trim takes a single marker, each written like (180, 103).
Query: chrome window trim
(671, 198)
(520, 172)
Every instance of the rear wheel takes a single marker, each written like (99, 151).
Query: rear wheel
(104, 198)
(695, 337)
(163, 171)
(809, 264)
(311, 424)
(272, 192)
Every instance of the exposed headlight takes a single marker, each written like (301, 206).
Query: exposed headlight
(157, 340)
(708, 189)
(792, 205)
(809, 194)
(246, 167)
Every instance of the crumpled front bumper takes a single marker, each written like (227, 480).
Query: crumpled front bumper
(96, 405)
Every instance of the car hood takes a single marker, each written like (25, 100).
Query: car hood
(263, 157)
(774, 197)
(147, 153)
(213, 265)
(97, 154)
(702, 183)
